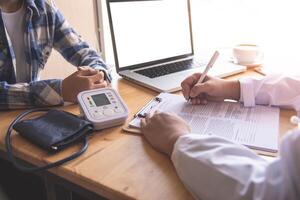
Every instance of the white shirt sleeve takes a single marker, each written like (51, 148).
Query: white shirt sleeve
(214, 168)
(276, 90)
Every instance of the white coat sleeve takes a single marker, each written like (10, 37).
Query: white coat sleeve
(214, 168)
(276, 90)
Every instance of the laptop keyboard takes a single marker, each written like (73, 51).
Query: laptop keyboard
(167, 69)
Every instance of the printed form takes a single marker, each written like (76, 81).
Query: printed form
(256, 127)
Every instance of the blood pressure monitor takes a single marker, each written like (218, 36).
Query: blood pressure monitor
(103, 107)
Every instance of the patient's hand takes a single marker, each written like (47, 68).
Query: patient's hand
(85, 78)
(163, 129)
(212, 89)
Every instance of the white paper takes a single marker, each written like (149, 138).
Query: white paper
(256, 127)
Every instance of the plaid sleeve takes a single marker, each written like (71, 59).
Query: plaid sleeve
(27, 95)
(74, 49)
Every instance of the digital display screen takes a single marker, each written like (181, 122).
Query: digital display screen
(100, 99)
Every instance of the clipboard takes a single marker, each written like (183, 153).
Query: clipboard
(151, 106)
(230, 120)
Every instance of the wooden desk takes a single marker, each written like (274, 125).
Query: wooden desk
(117, 165)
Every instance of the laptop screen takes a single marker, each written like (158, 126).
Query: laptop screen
(149, 31)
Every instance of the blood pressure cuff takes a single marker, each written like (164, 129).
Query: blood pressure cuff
(52, 131)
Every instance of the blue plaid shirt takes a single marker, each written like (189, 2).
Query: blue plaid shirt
(45, 29)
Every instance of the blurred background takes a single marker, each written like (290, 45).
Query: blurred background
(217, 24)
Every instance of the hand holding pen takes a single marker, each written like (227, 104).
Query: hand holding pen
(200, 88)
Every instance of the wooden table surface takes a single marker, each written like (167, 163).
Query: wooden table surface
(117, 165)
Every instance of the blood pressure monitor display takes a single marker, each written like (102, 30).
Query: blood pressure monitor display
(100, 99)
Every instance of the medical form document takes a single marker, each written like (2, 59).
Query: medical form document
(256, 127)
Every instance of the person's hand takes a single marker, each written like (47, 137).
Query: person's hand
(163, 129)
(211, 89)
(85, 78)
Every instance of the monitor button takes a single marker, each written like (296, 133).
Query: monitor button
(118, 110)
(108, 112)
(97, 114)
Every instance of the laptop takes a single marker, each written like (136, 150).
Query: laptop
(153, 44)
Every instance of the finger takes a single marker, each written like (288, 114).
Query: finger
(147, 118)
(102, 77)
(188, 83)
(203, 101)
(199, 89)
(185, 90)
(87, 71)
(97, 78)
(99, 85)
(194, 101)
(80, 68)
(149, 115)
(143, 123)
(153, 113)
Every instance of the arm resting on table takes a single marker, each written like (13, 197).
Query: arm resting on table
(28, 95)
(215, 168)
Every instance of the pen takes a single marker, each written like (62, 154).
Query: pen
(208, 67)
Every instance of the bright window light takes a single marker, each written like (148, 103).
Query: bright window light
(221, 24)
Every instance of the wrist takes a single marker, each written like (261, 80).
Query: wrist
(64, 92)
(172, 140)
(107, 76)
(233, 90)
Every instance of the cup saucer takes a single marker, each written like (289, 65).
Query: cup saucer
(255, 64)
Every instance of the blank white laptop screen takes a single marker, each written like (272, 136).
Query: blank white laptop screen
(147, 31)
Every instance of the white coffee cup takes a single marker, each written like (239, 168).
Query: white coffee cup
(248, 54)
